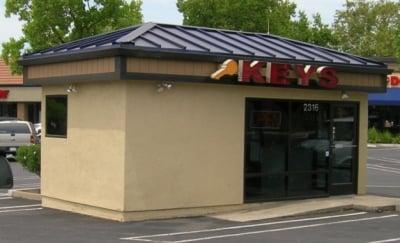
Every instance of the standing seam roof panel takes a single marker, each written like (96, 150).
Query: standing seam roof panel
(191, 40)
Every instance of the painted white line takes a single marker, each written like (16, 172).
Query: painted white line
(373, 168)
(385, 160)
(377, 186)
(5, 198)
(27, 178)
(391, 159)
(384, 167)
(393, 148)
(284, 229)
(27, 184)
(21, 206)
(20, 210)
(244, 226)
(388, 240)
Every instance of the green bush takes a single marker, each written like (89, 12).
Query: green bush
(375, 136)
(29, 157)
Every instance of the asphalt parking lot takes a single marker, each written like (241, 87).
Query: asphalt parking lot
(26, 221)
(384, 171)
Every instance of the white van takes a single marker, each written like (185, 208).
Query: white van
(16, 133)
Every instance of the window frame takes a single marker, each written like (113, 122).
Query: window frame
(66, 120)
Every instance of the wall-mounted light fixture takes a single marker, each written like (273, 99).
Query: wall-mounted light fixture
(72, 89)
(161, 87)
(344, 95)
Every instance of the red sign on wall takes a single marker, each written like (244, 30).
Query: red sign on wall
(393, 81)
(277, 74)
(4, 94)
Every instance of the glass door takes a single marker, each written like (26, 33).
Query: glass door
(308, 160)
(299, 149)
(344, 127)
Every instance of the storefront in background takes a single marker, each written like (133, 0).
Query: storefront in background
(159, 120)
(384, 108)
(18, 100)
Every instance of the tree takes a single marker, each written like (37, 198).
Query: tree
(277, 17)
(48, 23)
(368, 28)
(245, 15)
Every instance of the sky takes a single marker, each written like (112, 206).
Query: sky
(165, 11)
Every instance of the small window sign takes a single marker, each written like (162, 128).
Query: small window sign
(266, 119)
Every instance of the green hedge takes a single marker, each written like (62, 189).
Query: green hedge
(29, 157)
(375, 136)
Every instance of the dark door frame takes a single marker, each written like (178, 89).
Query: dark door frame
(345, 188)
(351, 189)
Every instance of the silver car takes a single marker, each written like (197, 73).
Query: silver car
(14, 134)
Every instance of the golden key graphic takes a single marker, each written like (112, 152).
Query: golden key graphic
(229, 67)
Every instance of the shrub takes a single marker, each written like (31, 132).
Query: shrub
(373, 135)
(386, 137)
(29, 157)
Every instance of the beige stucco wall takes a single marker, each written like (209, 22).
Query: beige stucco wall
(87, 167)
(22, 94)
(130, 148)
(185, 146)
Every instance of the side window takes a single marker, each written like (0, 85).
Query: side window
(56, 115)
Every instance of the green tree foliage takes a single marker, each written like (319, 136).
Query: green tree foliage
(52, 22)
(368, 28)
(279, 17)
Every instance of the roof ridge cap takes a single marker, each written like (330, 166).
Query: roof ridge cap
(136, 33)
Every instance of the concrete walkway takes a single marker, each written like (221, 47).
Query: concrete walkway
(311, 206)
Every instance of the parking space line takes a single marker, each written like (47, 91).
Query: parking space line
(383, 170)
(21, 206)
(284, 229)
(20, 210)
(244, 226)
(383, 159)
(385, 167)
(26, 178)
(28, 184)
(5, 198)
(377, 186)
(388, 240)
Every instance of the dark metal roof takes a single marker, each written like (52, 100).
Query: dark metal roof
(206, 43)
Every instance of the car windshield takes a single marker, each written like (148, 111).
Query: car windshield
(14, 128)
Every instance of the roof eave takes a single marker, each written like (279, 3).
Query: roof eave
(126, 50)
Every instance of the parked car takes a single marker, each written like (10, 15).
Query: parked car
(6, 176)
(8, 118)
(38, 127)
(14, 134)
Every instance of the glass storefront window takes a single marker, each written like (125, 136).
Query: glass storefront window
(296, 148)
(56, 115)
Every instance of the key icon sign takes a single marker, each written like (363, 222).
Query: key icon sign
(229, 67)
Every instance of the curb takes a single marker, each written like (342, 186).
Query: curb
(30, 194)
(383, 145)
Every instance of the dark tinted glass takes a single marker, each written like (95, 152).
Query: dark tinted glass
(266, 148)
(56, 115)
(14, 128)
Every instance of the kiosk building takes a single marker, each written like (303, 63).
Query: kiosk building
(161, 120)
